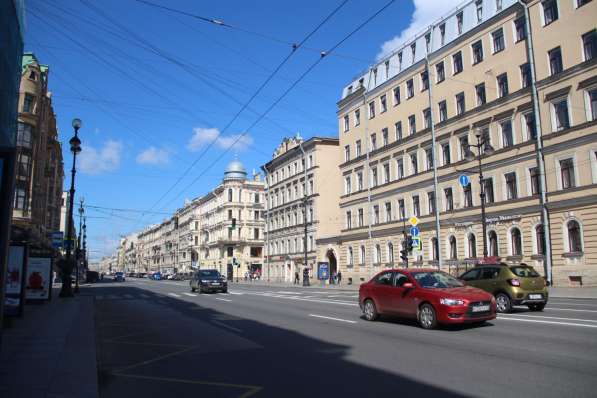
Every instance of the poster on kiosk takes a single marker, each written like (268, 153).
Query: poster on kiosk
(15, 280)
(38, 282)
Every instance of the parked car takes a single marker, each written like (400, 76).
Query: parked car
(428, 295)
(510, 284)
(119, 277)
(208, 280)
(92, 276)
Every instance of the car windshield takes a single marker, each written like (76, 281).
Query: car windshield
(524, 271)
(436, 280)
(209, 274)
(119, 274)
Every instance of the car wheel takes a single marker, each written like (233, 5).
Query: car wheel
(427, 318)
(370, 311)
(193, 289)
(536, 307)
(225, 291)
(503, 302)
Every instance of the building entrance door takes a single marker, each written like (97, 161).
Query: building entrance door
(333, 264)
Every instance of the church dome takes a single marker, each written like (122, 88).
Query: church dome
(235, 171)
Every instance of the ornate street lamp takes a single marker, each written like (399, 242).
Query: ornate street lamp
(75, 147)
(484, 148)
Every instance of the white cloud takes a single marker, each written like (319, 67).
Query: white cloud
(153, 156)
(97, 161)
(426, 12)
(202, 136)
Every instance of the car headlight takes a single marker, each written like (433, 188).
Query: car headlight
(447, 301)
(204, 281)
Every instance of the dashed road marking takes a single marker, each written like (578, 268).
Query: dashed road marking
(332, 318)
(548, 322)
(569, 309)
(549, 317)
(174, 294)
(222, 299)
(236, 293)
(190, 294)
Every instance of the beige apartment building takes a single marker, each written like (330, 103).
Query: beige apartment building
(231, 223)
(302, 188)
(40, 170)
(470, 74)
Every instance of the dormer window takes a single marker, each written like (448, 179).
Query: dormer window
(442, 34)
(459, 22)
(413, 49)
(349, 90)
(400, 60)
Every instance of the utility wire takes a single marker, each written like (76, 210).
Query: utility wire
(288, 90)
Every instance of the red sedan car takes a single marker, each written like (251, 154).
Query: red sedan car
(429, 295)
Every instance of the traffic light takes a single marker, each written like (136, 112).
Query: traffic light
(404, 255)
(409, 243)
(233, 223)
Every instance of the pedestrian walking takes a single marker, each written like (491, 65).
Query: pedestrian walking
(339, 275)
(296, 278)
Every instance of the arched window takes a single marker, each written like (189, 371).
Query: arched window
(453, 248)
(434, 249)
(574, 237)
(390, 253)
(377, 255)
(516, 242)
(350, 256)
(362, 255)
(493, 244)
(540, 239)
(472, 246)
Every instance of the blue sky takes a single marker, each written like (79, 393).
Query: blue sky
(147, 118)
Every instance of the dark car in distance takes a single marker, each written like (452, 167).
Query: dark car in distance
(430, 296)
(208, 280)
(119, 277)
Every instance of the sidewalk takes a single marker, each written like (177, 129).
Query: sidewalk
(50, 351)
(573, 292)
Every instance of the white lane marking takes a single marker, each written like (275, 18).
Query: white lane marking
(173, 294)
(190, 294)
(569, 309)
(309, 300)
(332, 318)
(574, 304)
(227, 326)
(549, 322)
(236, 293)
(286, 292)
(551, 317)
(221, 299)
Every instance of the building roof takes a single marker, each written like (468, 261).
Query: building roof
(235, 171)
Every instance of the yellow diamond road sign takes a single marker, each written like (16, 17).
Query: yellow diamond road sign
(413, 221)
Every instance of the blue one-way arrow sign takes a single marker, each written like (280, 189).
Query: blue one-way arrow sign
(414, 231)
(464, 180)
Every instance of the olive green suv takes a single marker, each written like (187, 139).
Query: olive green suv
(510, 284)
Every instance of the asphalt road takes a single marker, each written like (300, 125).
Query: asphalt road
(156, 338)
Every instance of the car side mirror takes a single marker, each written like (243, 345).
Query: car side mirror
(408, 285)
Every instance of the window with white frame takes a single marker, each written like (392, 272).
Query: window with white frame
(443, 110)
(401, 209)
(348, 219)
(459, 22)
(479, 7)
(390, 252)
(347, 153)
(525, 75)
(440, 72)
(414, 164)
(360, 181)
(373, 142)
(412, 125)
(371, 109)
(360, 218)
(477, 48)
(347, 185)
(357, 117)
(396, 92)
(429, 158)
(457, 63)
(358, 148)
(515, 242)
(528, 125)
(497, 38)
(534, 181)
(431, 202)
(413, 51)
(388, 207)
(350, 256)
(398, 130)
(377, 254)
(566, 173)
(446, 154)
(520, 29)
(376, 214)
(346, 123)
(460, 105)
(574, 237)
(555, 61)
(400, 168)
(416, 206)
(589, 43)
(511, 186)
(362, 255)
(386, 173)
(442, 34)
(448, 199)
(502, 84)
(374, 176)
(463, 146)
(591, 103)
(427, 118)
(550, 11)
(384, 137)
(410, 89)
(507, 133)
(383, 103)
(559, 114)
(424, 80)
(480, 91)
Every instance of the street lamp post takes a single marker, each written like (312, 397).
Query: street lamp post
(85, 243)
(482, 144)
(75, 147)
(79, 241)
